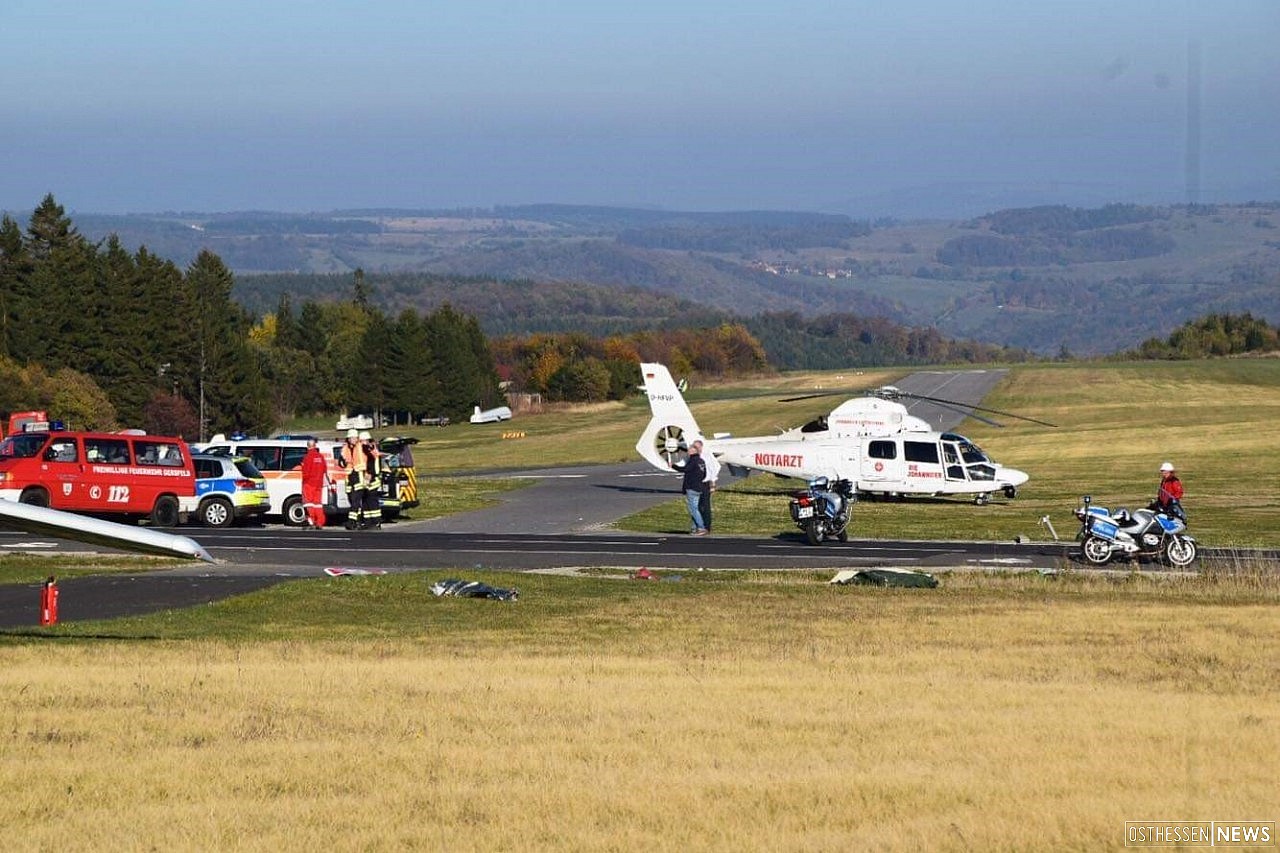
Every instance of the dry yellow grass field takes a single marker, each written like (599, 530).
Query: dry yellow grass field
(763, 712)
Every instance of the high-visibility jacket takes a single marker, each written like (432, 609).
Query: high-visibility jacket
(355, 457)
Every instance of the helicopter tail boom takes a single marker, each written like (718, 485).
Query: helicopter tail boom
(664, 442)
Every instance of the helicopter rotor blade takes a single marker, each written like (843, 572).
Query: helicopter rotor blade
(884, 392)
(1000, 412)
(812, 396)
(962, 409)
(890, 392)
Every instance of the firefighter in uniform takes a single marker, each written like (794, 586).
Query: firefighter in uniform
(356, 462)
(371, 517)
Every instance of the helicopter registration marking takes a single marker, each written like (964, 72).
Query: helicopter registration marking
(780, 460)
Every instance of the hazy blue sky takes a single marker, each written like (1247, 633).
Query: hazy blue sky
(847, 106)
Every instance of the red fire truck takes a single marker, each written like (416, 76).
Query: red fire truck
(101, 473)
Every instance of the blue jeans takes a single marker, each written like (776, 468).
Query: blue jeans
(691, 498)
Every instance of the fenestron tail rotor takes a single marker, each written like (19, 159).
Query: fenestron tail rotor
(670, 443)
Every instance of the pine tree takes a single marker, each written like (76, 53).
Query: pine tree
(15, 269)
(415, 388)
(369, 384)
(59, 298)
(218, 365)
(463, 363)
(287, 329)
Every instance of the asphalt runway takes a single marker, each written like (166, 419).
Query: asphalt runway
(560, 520)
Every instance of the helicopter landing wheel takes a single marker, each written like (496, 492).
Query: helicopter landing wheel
(1010, 492)
(982, 498)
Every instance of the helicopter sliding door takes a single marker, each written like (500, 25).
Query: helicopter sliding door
(881, 463)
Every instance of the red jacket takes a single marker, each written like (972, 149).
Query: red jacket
(314, 468)
(1170, 490)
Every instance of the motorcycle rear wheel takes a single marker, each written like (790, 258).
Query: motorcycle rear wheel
(813, 533)
(1179, 552)
(1095, 550)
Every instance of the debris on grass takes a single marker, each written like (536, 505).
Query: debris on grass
(885, 577)
(473, 589)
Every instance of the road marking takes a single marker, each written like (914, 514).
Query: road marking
(862, 550)
(543, 476)
(649, 555)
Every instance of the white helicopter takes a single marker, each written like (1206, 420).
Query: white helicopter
(871, 441)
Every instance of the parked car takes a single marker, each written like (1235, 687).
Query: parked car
(228, 489)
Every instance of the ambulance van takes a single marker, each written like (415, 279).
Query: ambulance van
(134, 476)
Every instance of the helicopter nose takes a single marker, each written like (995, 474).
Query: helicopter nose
(1013, 477)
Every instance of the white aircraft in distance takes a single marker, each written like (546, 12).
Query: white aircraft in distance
(491, 416)
(871, 441)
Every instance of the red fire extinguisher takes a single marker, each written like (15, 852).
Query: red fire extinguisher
(49, 602)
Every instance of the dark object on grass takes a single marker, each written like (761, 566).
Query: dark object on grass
(885, 577)
(474, 589)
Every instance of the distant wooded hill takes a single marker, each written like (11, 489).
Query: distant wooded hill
(503, 307)
(1046, 279)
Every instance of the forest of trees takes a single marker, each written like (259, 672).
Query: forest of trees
(503, 306)
(1046, 249)
(1212, 335)
(1060, 219)
(834, 341)
(577, 367)
(131, 339)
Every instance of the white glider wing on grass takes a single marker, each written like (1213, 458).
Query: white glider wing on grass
(96, 531)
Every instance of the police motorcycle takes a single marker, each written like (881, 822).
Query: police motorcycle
(822, 510)
(1143, 534)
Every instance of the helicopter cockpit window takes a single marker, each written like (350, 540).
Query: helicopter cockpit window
(882, 450)
(969, 451)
